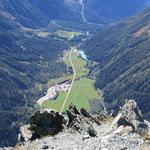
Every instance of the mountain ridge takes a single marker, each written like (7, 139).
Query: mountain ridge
(82, 130)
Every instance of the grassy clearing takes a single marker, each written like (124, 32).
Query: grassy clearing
(43, 34)
(59, 33)
(66, 34)
(55, 104)
(80, 65)
(66, 59)
(82, 90)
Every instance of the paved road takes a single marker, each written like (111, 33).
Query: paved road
(74, 76)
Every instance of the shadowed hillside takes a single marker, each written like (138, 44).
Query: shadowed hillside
(23, 13)
(26, 63)
(106, 11)
(123, 53)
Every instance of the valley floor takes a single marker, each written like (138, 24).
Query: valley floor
(81, 90)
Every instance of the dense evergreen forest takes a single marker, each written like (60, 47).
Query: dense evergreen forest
(27, 62)
(123, 54)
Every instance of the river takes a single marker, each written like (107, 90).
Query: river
(83, 15)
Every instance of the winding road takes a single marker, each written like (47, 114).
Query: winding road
(74, 76)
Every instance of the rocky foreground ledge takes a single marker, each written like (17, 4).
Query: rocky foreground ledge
(79, 130)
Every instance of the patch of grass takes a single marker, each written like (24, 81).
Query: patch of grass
(55, 104)
(66, 59)
(66, 34)
(43, 34)
(59, 33)
(80, 65)
(82, 91)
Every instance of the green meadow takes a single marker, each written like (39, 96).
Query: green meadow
(82, 90)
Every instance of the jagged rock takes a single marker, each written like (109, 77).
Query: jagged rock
(132, 116)
(92, 132)
(85, 113)
(42, 122)
(81, 121)
(45, 147)
(46, 122)
(86, 136)
(25, 134)
(82, 126)
(74, 109)
(103, 117)
(71, 116)
(77, 123)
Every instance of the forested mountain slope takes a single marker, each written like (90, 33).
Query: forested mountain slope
(38, 13)
(68, 10)
(26, 62)
(22, 12)
(123, 53)
(95, 11)
(106, 11)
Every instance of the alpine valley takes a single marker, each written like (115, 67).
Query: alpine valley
(94, 54)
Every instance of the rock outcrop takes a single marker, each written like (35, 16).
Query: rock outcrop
(82, 121)
(6, 148)
(42, 123)
(25, 134)
(128, 130)
(132, 116)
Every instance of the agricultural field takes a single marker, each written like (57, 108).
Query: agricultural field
(67, 34)
(43, 34)
(59, 33)
(82, 90)
(79, 64)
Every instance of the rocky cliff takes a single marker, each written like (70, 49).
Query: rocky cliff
(78, 129)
